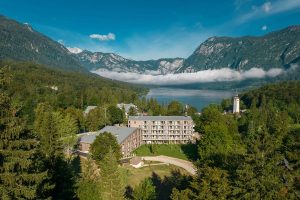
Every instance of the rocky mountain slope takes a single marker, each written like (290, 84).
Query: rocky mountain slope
(116, 63)
(278, 49)
(274, 50)
(20, 42)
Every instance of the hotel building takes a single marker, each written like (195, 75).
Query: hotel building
(163, 129)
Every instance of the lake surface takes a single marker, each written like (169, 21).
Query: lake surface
(193, 97)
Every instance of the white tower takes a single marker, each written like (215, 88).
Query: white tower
(236, 104)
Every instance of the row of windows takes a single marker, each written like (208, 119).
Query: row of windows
(161, 122)
(166, 132)
(165, 127)
(166, 138)
(166, 122)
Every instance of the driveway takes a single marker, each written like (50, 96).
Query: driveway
(188, 166)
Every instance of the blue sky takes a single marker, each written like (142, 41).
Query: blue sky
(151, 29)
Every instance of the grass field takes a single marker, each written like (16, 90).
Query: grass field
(184, 151)
(133, 177)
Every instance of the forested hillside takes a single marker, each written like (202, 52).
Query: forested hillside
(251, 156)
(32, 84)
(20, 42)
(281, 95)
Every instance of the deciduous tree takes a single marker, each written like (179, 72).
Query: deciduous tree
(102, 144)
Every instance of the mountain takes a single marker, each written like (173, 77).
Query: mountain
(116, 63)
(279, 49)
(20, 42)
(274, 50)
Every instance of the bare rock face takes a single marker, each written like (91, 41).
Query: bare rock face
(116, 63)
(274, 50)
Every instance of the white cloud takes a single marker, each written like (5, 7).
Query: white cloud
(74, 50)
(264, 27)
(215, 75)
(109, 36)
(268, 9)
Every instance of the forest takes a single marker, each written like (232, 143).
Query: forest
(254, 155)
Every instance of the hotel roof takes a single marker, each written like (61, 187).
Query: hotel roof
(120, 132)
(159, 118)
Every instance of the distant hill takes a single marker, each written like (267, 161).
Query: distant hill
(20, 42)
(277, 49)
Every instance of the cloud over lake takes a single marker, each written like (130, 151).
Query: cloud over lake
(205, 76)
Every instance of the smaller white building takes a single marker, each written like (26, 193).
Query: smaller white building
(88, 109)
(236, 104)
(127, 107)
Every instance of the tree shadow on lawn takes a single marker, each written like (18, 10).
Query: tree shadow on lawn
(190, 150)
(164, 187)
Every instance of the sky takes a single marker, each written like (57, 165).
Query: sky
(150, 29)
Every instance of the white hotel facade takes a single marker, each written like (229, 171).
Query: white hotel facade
(163, 129)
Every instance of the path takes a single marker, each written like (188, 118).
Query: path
(188, 166)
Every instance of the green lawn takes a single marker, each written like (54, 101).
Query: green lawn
(133, 177)
(184, 151)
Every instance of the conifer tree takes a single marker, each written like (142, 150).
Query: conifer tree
(145, 190)
(47, 127)
(211, 183)
(181, 195)
(259, 176)
(20, 176)
(67, 130)
(89, 183)
(112, 187)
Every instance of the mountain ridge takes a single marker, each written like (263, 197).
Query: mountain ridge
(20, 42)
(117, 63)
(277, 49)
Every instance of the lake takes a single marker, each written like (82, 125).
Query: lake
(193, 97)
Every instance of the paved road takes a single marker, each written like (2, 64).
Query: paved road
(188, 166)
